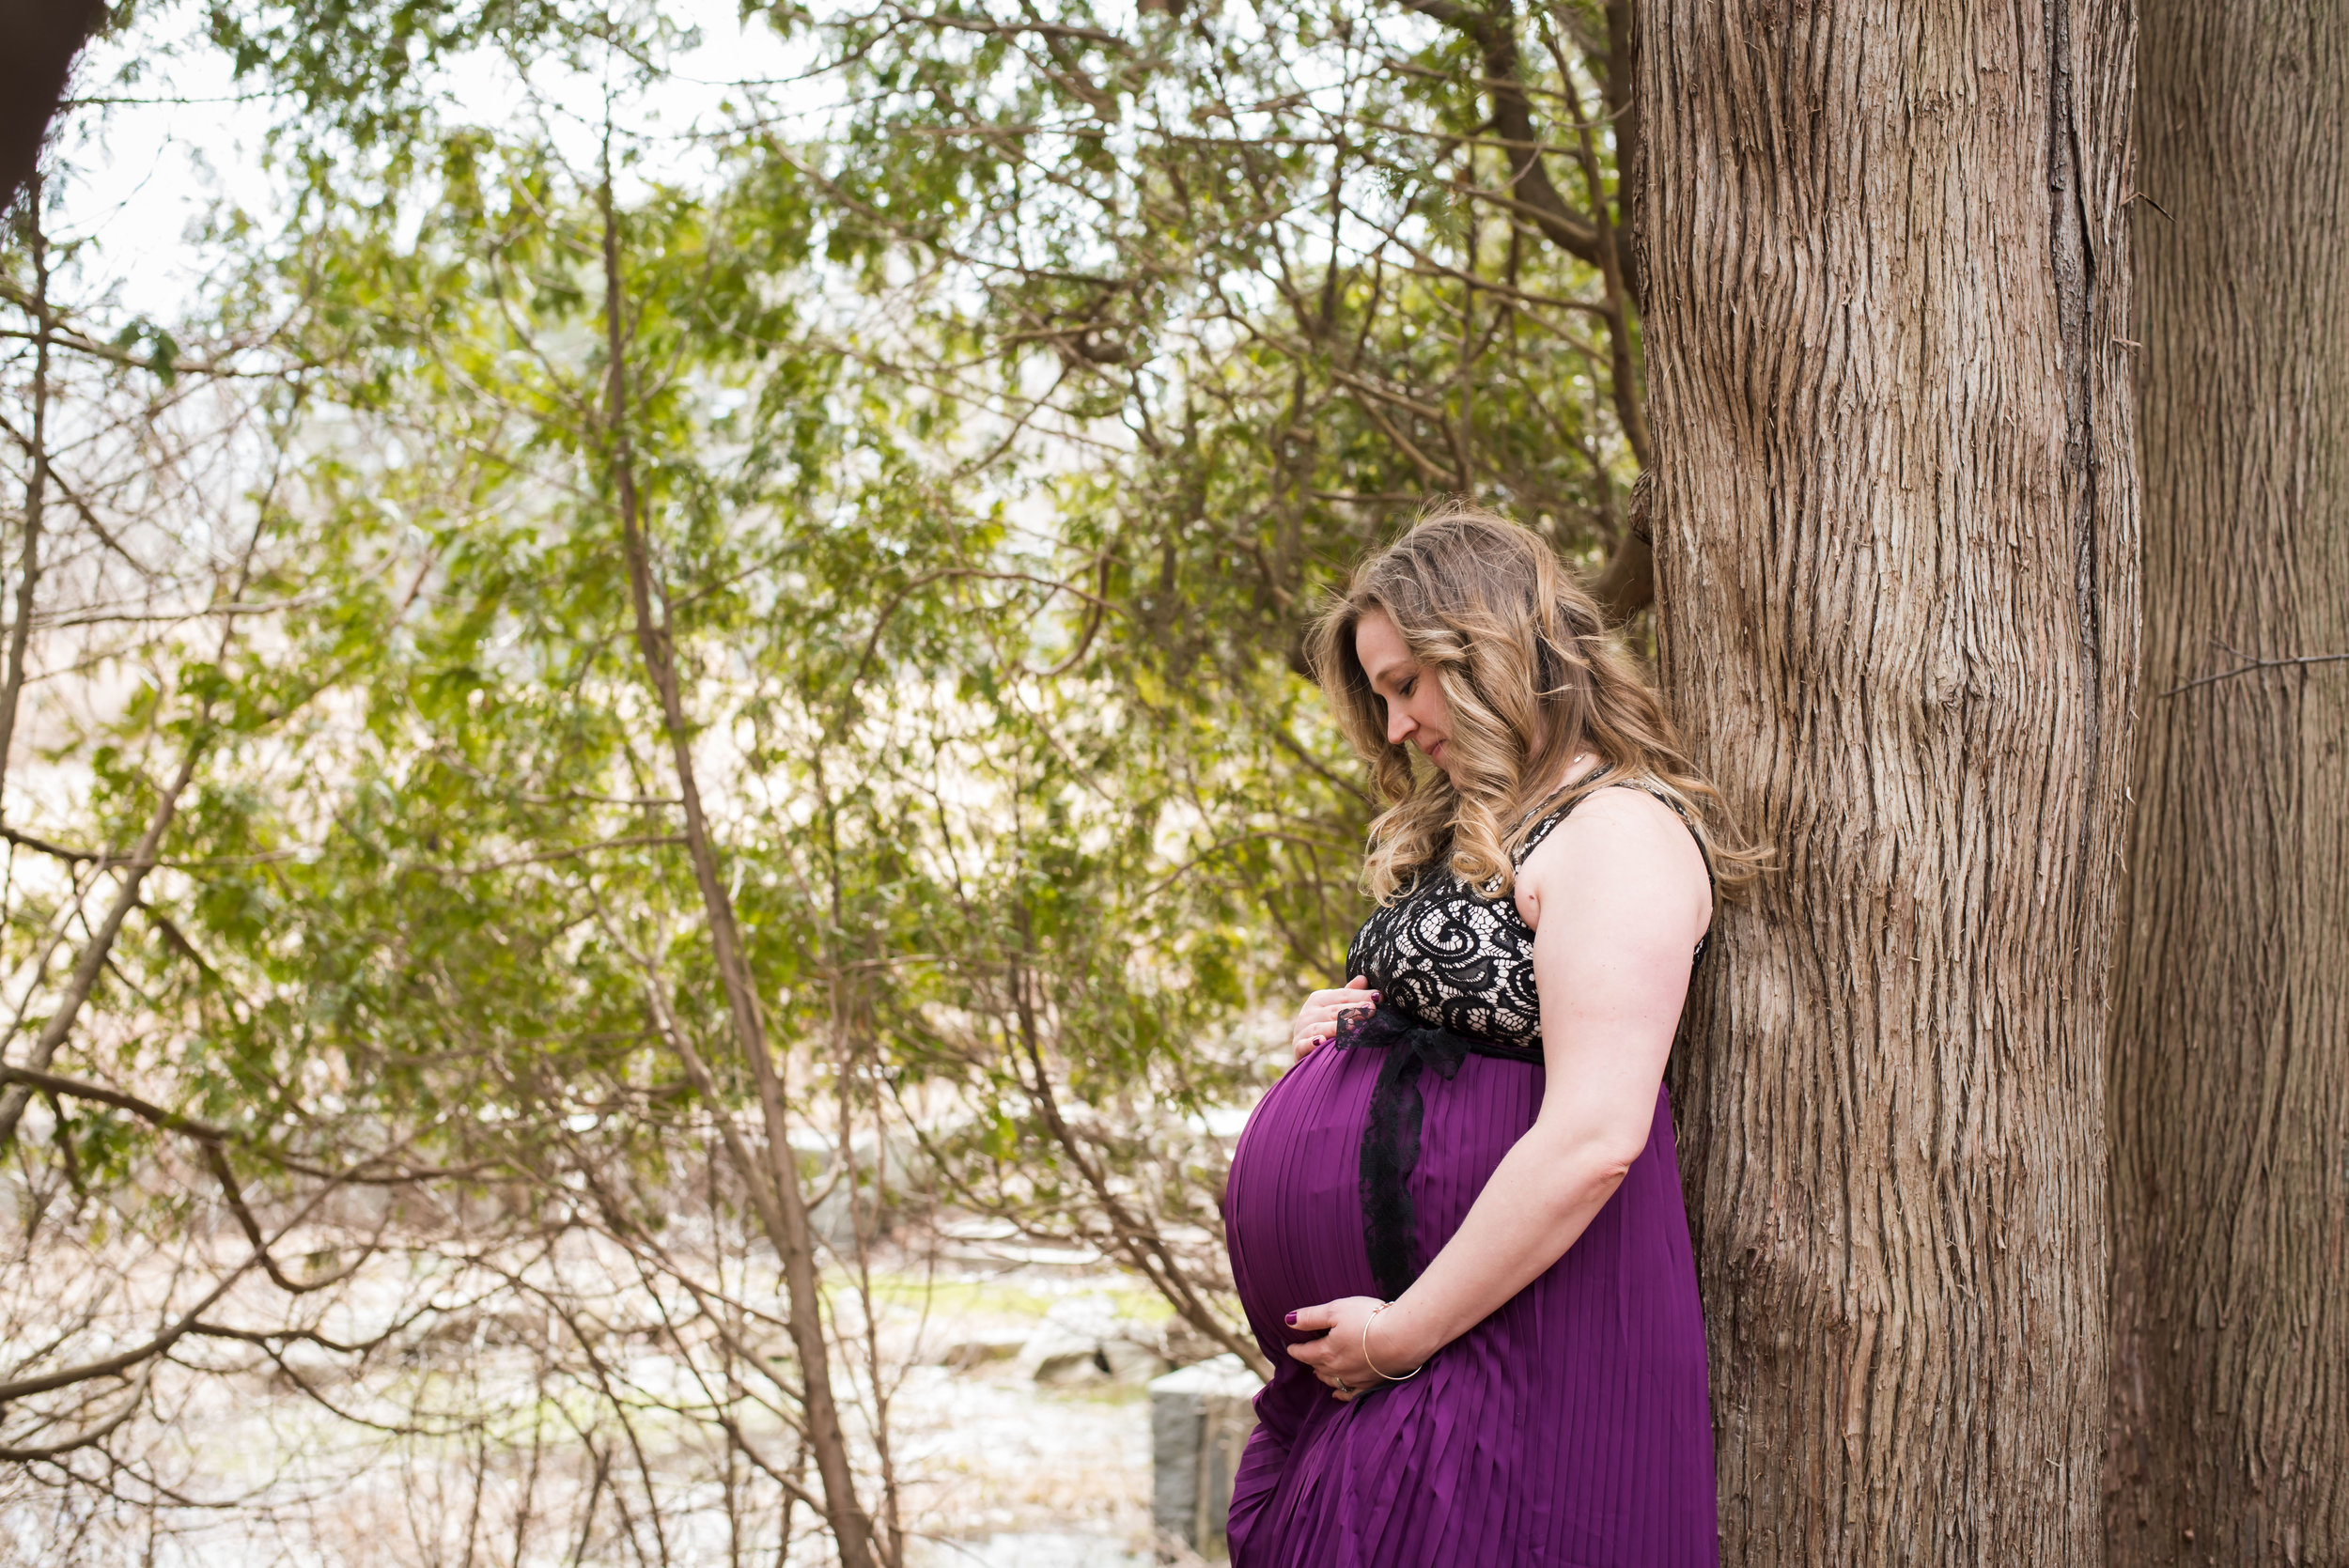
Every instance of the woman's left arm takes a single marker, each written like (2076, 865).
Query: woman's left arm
(1618, 898)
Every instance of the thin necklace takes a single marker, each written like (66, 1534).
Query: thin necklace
(1578, 757)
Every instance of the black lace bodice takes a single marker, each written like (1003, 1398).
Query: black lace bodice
(1444, 953)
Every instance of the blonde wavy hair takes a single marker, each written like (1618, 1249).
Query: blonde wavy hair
(1533, 678)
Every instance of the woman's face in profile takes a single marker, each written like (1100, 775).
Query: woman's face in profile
(1416, 713)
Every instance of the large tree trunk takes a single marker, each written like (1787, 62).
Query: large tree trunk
(1897, 584)
(2229, 1096)
(38, 41)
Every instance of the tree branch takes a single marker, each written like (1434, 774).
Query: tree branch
(793, 1242)
(1494, 33)
(2253, 666)
(26, 841)
(1627, 584)
(123, 1360)
(23, 1455)
(100, 946)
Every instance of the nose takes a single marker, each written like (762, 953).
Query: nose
(1400, 724)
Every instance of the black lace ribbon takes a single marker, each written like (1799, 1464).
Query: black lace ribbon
(1391, 1136)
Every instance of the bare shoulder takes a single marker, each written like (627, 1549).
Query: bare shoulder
(1621, 849)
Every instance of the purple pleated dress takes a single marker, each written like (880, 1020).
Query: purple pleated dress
(1572, 1427)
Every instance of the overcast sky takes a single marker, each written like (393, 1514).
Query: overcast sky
(164, 138)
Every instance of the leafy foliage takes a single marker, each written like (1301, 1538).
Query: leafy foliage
(994, 426)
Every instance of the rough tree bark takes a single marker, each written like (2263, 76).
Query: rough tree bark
(1895, 535)
(2229, 1095)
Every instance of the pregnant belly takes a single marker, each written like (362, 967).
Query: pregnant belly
(1569, 1427)
(1292, 1211)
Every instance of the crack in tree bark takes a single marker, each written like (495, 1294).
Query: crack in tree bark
(2073, 262)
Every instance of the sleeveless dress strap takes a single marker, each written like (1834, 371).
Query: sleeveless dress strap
(1541, 829)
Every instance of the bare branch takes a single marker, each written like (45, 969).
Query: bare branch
(2252, 666)
(101, 944)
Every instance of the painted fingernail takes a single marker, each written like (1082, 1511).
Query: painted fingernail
(1292, 1320)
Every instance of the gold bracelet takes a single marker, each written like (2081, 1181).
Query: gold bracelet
(1372, 1365)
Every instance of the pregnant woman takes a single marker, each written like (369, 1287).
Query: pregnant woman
(1456, 1223)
